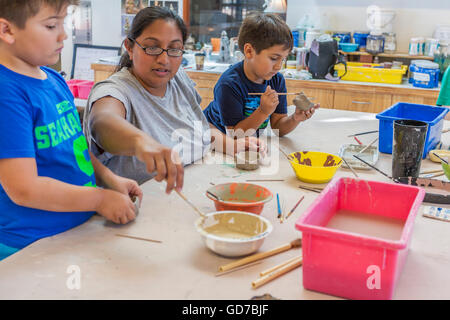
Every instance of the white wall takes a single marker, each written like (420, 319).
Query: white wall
(106, 28)
(414, 18)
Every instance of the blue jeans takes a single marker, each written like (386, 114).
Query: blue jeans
(6, 251)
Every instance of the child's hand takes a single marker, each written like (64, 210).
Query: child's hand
(252, 144)
(300, 115)
(269, 101)
(116, 207)
(125, 186)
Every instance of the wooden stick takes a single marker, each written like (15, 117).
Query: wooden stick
(237, 269)
(267, 271)
(437, 174)
(285, 154)
(261, 255)
(275, 274)
(190, 203)
(137, 238)
(361, 133)
(278, 93)
(366, 147)
(350, 167)
(431, 171)
(310, 189)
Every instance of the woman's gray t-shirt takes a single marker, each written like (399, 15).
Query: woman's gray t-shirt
(175, 120)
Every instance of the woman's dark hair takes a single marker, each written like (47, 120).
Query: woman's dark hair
(142, 20)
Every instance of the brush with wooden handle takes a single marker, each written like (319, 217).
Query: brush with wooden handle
(297, 243)
(278, 272)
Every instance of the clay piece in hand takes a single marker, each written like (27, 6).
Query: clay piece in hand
(302, 102)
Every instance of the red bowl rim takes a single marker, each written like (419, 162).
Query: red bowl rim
(245, 204)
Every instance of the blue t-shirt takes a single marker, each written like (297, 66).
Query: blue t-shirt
(38, 119)
(232, 104)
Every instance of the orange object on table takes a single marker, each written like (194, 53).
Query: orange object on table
(215, 44)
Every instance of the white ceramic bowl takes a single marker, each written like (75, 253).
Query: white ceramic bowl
(250, 231)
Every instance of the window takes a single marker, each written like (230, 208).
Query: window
(208, 18)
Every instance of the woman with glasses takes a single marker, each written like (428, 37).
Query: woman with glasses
(145, 120)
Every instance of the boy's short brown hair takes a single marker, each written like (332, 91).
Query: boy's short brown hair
(19, 11)
(264, 30)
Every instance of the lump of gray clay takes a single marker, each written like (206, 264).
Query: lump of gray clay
(302, 102)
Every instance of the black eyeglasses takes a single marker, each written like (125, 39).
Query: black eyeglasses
(156, 51)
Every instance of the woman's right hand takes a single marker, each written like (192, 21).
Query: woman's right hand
(115, 206)
(269, 101)
(164, 161)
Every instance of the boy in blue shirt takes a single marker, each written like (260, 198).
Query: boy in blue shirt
(266, 41)
(47, 176)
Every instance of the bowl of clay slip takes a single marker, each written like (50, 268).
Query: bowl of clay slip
(302, 102)
(247, 160)
(233, 233)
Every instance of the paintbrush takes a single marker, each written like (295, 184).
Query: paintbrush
(213, 195)
(445, 161)
(359, 134)
(289, 157)
(384, 174)
(279, 207)
(295, 207)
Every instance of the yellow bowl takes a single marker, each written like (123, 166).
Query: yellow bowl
(314, 166)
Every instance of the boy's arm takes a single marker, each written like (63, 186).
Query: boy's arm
(248, 126)
(285, 124)
(20, 180)
(117, 136)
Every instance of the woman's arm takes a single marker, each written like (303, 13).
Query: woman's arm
(117, 136)
(20, 180)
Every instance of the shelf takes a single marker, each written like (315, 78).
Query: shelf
(387, 55)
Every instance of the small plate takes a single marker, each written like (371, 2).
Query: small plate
(370, 155)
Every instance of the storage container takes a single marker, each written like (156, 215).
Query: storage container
(74, 85)
(432, 115)
(360, 37)
(343, 37)
(353, 264)
(84, 89)
(425, 74)
(370, 72)
(375, 43)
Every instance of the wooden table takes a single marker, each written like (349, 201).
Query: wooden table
(181, 267)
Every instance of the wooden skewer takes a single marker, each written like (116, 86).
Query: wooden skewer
(350, 167)
(258, 180)
(190, 203)
(137, 238)
(366, 147)
(310, 189)
(437, 174)
(237, 269)
(285, 154)
(262, 255)
(275, 274)
(267, 271)
(431, 171)
(278, 93)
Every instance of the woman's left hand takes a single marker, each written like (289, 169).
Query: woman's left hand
(300, 115)
(125, 186)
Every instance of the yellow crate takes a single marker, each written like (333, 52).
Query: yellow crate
(358, 71)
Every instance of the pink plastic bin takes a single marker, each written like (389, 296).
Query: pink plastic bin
(341, 263)
(73, 86)
(84, 89)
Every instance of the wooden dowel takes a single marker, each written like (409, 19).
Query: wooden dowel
(255, 257)
(366, 147)
(350, 167)
(437, 174)
(310, 189)
(278, 272)
(190, 203)
(431, 171)
(137, 238)
(267, 271)
(237, 269)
